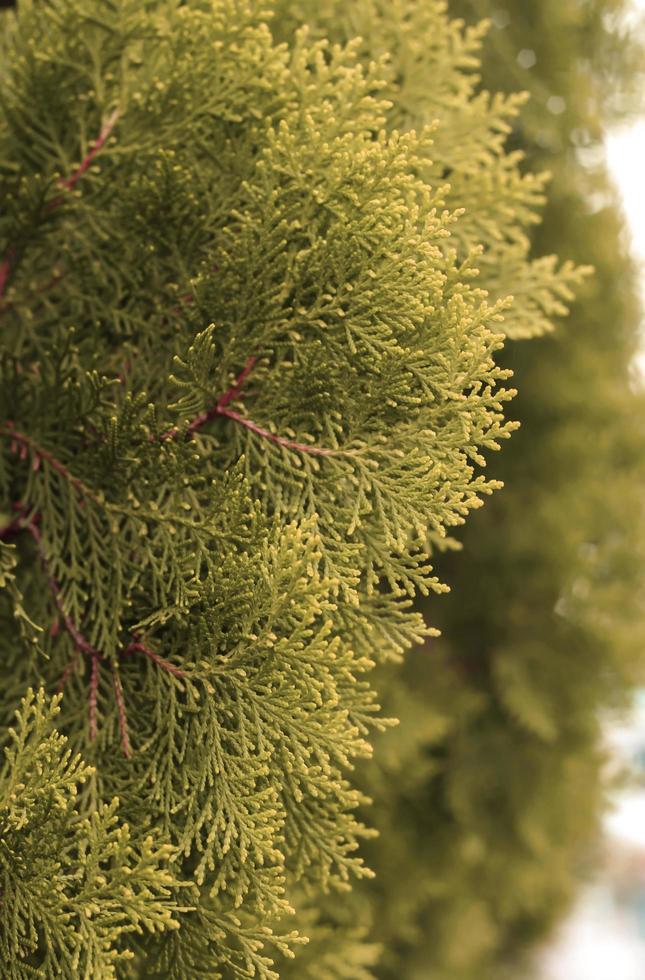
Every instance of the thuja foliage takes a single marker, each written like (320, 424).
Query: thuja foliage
(248, 375)
(73, 887)
(489, 794)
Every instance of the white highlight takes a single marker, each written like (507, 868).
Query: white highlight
(626, 160)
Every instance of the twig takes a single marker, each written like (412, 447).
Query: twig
(299, 447)
(97, 146)
(5, 268)
(186, 298)
(68, 184)
(93, 695)
(27, 444)
(79, 640)
(67, 673)
(234, 390)
(123, 721)
(80, 643)
(138, 647)
(221, 407)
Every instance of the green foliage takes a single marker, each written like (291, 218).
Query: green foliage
(8, 561)
(252, 297)
(431, 67)
(72, 888)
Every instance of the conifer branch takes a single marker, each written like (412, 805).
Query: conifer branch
(138, 647)
(221, 407)
(5, 268)
(28, 444)
(218, 409)
(82, 645)
(67, 673)
(80, 642)
(68, 184)
(299, 447)
(229, 394)
(327, 239)
(93, 697)
(123, 721)
(55, 278)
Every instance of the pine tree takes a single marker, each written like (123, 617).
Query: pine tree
(249, 340)
(489, 794)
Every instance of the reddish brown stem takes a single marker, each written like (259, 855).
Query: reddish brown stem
(221, 403)
(67, 183)
(221, 407)
(67, 673)
(18, 524)
(93, 696)
(79, 640)
(186, 298)
(80, 643)
(159, 661)
(27, 444)
(123, 721)
(97, 146)
(237, 386)
(5, 268)
(299, 447)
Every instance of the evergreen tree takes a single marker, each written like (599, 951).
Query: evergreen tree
(489, 794)
(248, 375)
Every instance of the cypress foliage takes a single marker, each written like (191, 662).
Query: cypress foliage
(72, 886)
(248, 375)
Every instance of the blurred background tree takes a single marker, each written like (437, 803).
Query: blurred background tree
(500, 741)
(489, 795)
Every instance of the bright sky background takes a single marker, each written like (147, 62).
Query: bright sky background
(597, 943)
(626, 159)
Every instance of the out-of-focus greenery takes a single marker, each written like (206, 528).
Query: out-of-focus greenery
(489, 795)
(581, 61)
(485, 840)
